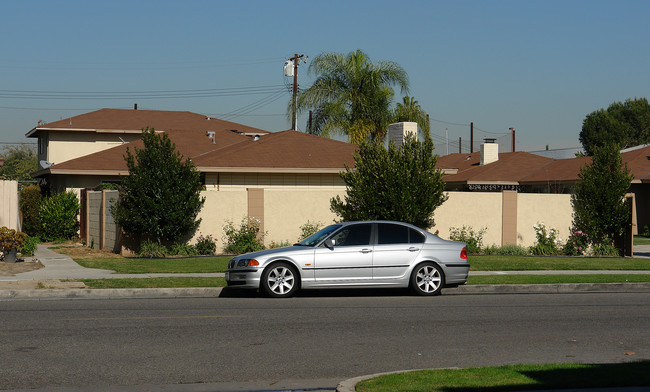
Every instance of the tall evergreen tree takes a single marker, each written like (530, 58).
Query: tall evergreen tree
(599, 205)
(161, 197)
(398, 183)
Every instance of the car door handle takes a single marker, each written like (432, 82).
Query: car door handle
(366, 250)
(413, 249)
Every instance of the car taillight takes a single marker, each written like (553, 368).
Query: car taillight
(463, 253)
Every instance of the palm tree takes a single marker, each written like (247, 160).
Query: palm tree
(351, 95)
(410, 110)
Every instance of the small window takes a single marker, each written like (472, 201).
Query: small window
(392, 234)
(415, 237)
(355, 235)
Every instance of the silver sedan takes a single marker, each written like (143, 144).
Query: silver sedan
(372, 254)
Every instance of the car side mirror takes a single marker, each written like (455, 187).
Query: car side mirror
(329, 243)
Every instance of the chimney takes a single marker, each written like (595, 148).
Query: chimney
(135, 106)
(397, 132)
(489, 151)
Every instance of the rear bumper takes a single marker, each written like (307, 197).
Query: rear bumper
(456, 273)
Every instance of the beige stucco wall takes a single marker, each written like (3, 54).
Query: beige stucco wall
(63, 146)
(220, 207)
(286, 210)
(554, 210)
(9, 204)
(474, 209)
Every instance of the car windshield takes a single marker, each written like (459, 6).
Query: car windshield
(314, 239)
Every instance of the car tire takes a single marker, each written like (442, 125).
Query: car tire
(280, 280)
(427, 279)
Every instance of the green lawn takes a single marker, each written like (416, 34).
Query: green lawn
(532, 263)
(144, 283)
(641, 240)
(553, 279)
(171, 265)
(513, 378)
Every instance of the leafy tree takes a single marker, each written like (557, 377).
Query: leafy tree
(626, 124)
(351, 95)
(600, 209)
(410, 110)
(20, 161)
(160, 198)
(398, 183)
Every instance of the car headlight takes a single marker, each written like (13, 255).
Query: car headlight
(247, 263)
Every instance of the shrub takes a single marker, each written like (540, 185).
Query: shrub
(605, 250)
(646, 231)
(181, 249)
(473, 239)
(547, 241)
(206, 245)
(309, 229)
(11, 239)
(506, 250)
(29, 247)
(30, 203)
(246, 238)
(58, 216)
(281, 244)
(151, 249)
(576, 244)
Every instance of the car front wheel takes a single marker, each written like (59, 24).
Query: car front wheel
(426, 279)
(280, 280)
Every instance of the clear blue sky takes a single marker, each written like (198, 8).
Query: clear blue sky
(536, 66)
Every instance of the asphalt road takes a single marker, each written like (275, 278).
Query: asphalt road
(99, 343)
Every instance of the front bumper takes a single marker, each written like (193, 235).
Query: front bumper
(244, 278)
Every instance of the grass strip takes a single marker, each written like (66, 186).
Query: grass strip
(513, 378)
(554, 279)
(171, 265)
(641, 240)
(541, 263)
(143, 283)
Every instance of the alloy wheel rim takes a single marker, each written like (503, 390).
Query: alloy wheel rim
(428, 279)
(281, 280)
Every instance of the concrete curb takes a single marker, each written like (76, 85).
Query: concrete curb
(215, 292)
(189, 292)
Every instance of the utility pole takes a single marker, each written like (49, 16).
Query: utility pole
(295, 59)
(513, 139)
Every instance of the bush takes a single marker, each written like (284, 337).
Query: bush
(29, 247)
(466, 234)
(151, 249)
(180, 249)
(547, 241)
(576, 244)
(281, 244)
(309, 229)
(206, 245)
(58, 216)
(11, 239)
(506, 250)
(605, 250)
(30, 203)
(246, 238)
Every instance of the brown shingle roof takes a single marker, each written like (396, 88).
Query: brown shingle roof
(135, 120)
(286, 151)
(526, 168)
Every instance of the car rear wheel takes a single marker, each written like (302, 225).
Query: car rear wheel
(280, 280)
(426, 279)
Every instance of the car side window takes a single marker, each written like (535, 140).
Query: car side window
(354, 235)
(389, 233)
(415, 237)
